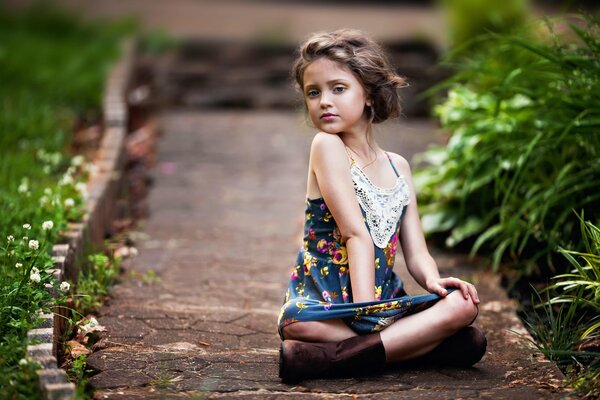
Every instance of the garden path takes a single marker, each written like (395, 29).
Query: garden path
(226, 218)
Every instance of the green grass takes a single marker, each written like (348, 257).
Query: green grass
(52, 69)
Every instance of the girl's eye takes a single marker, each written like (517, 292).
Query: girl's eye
(339, 89)
(312, 93)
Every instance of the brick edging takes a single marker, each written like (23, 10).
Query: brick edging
(102, 187)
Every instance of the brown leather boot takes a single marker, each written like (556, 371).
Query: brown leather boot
(463, 349)
(356, 355)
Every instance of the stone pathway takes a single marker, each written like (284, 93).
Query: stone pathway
(225, 224)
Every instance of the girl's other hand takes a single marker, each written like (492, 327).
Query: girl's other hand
(439, 286)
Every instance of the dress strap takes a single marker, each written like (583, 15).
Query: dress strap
(392, 164)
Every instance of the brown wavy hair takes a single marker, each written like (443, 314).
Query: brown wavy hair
(367, 61)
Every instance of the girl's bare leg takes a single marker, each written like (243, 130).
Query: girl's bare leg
(419, 333)
(407, 338)
(333, 330)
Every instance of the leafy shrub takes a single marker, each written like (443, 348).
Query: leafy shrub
(524, 151)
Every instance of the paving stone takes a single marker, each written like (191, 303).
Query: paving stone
(117, 378)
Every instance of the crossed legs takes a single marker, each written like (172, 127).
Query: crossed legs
(409, 337)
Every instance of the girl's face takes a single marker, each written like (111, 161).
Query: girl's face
(335, 98)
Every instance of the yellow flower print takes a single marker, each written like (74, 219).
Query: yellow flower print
(327, 216)
(301, 306)
(307, 216)
(340, 256)
(378, 292)
(377, 263)
(309, 262)
(324, 271)
(345, 293)
(343, 270)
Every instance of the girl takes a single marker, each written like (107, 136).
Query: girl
(345, 310)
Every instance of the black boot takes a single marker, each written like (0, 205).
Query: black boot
(463, 349)
(356, 355)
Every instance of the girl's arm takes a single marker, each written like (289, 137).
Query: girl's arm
(419, 262)
(330, 164)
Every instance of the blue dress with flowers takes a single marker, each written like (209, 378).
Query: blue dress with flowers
(319, 286)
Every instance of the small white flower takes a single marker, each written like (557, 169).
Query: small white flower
(23, 361)
(48, 192)
(23, 187)
(47, 225)
(35, 270)
(67, 179)
(36, 278)
(81, 187)
(10, 238)
(44, 200)
(34, 244)
(65, 286)
(69, 202)
(92, 169)
(18, 265)
(26, 226)
(25, 238)
(77, 160)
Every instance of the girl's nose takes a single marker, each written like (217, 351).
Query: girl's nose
(325, 101)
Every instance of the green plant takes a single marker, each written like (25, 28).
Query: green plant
(524, 148)
(52, 69)
(567, 328)
(96, 276)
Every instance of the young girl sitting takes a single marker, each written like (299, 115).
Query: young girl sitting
(345, 310)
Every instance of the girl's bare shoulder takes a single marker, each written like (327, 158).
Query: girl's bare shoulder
(400, 162)
(327, 141)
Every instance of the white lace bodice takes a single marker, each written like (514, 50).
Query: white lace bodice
(383, 207)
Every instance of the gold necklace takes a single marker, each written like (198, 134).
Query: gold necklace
(366, 165)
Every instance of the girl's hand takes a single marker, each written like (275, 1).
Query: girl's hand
(439, 286)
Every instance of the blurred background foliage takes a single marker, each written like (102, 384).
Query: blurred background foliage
(519, 177)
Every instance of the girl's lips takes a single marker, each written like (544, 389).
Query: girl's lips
(328, 117)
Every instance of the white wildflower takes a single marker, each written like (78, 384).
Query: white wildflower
(47, 225)
(23, 361)
(18, 265)
(67, 179)
(34, 244)
(69, 202)
(81, 187)
(77, 160)
(48, 191)
(36, 278)
(23, 187)
(65, 286)
(25, 238)
(10, 238)
(92, 169)
(35, 270)
(44, 200)
(26, 226)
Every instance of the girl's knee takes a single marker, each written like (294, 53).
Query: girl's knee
(298, 331)
(462, 311)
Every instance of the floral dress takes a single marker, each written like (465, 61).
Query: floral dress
(319, 286)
